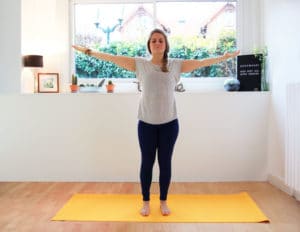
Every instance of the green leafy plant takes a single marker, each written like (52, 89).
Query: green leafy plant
(262, 54)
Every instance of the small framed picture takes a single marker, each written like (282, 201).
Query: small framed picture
(48, 83)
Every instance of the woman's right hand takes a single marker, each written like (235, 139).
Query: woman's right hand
(125, 62)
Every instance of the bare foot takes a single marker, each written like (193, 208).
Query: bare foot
(145, 210)
(164, 209)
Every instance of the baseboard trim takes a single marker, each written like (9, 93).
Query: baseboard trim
(279, 183)
(297, 195)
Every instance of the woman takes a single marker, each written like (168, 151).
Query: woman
(158, 124)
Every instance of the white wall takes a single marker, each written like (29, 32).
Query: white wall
(93, 137)
(45, 31)
(282, 38)
(72, 137)
(10, 46)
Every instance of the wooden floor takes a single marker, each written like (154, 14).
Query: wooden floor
(27, 206)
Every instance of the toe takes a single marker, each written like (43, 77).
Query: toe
(145, 211)
(165, 211)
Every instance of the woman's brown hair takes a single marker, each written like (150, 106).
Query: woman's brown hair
(164, 67)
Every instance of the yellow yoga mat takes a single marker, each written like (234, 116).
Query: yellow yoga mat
(185, 208)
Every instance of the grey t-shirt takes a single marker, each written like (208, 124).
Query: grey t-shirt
(157, 104)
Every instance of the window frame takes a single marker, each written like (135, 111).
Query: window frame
(72, 25)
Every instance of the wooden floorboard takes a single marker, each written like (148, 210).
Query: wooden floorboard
(29, 206)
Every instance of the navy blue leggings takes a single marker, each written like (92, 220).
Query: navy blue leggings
(160, 138)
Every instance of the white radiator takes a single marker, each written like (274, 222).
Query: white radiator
(292, 161)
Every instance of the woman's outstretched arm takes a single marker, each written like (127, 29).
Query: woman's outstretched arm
(190, 65)
(122, 61)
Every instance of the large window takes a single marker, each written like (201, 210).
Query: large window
(196, 30)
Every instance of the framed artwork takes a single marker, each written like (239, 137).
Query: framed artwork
(48, 83)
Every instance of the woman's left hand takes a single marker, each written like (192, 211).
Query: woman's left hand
(229, 55)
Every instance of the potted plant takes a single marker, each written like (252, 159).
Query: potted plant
(262, 54)
(110, 87)
(74, 87)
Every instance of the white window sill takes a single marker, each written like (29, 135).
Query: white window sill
(129, 85)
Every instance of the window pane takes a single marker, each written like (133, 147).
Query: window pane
(112, 28)
(200, 30)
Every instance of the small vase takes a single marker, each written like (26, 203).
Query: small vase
(74, 88)
(110, 88)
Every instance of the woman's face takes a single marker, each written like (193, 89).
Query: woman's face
(157, 43)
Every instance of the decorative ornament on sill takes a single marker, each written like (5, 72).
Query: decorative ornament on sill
(74, 87)
(110, 86)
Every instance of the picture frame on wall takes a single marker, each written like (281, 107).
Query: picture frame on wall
(48, 82)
